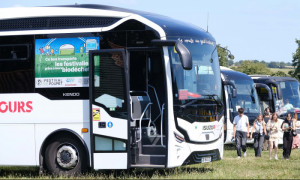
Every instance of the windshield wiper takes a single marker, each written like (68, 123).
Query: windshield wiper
(212, 96)
(189, 103)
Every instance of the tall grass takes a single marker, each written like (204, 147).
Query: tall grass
(228, 168)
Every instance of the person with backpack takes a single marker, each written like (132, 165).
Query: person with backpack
(258, 131)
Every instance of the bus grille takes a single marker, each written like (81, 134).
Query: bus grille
(196, 157)
(55, 23)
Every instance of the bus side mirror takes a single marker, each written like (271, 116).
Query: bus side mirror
(184, 54)
(261, 85)
(230, 83)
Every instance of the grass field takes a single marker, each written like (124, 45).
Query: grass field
(228, 168)
(285, 70)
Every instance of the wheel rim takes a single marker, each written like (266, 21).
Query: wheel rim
(67, 156)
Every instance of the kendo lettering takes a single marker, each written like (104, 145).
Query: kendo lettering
(15, 106)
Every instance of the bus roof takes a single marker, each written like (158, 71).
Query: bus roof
(171, 26)
(235, 75)
(11, 17)
(263, 79)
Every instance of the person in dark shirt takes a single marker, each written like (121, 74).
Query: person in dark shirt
(287, 128)
(267, 117)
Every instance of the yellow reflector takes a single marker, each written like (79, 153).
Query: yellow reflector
(84, 130)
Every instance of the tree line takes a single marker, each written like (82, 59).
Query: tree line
(262, 67)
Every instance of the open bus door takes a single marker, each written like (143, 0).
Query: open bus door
(127, 102)
(148, 99)
(109, 109)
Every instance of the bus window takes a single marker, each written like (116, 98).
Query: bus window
(109, 83)
(16, 64)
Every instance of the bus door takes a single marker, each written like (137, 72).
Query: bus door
(108, 88)
(147, 93)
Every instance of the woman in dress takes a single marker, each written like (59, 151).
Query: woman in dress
(273, 127)
(296, 139)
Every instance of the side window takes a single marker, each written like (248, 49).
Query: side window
(16, 64)
(109, 90)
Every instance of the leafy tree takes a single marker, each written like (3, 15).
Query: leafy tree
(273, 64)
(223, 56)
(264, 62)
(296, 60)
(250, 68)
(282, 65)
(288, 64)
(230, 62)
(279, 73)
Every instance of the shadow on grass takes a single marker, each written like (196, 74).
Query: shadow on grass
(32, 172)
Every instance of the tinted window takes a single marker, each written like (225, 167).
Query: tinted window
(109, 83)
(16, 64)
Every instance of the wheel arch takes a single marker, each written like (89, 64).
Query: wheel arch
(57, 132)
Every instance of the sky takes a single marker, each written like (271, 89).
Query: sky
(250, 29)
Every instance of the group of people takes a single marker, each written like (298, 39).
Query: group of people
(265, 131)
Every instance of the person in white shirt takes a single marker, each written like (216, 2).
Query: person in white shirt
(241, 132)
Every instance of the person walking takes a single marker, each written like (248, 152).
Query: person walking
(258, 131)
(267, 117)
(273, 127)
(241, 132)
(267, 111)
(287, 128)
(296, 138)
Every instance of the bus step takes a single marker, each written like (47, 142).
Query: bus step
(156, 140)
(151, 159)
(154, 149)
(147, 166)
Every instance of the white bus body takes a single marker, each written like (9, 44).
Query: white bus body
(245, 96)
(86, 86)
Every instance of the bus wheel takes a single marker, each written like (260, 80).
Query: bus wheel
(65, 156)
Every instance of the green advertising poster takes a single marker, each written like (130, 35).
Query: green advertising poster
(63, 62)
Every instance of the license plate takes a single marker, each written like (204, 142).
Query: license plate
(206, 159)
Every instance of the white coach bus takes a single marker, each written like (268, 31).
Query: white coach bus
(92, 86)
(239, 91)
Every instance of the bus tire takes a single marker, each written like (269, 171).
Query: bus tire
(65, 156)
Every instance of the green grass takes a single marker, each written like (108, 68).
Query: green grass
(228, 168)
(285, 70)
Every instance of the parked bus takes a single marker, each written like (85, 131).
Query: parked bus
(100, 87)
(285, 97)
(239, 92)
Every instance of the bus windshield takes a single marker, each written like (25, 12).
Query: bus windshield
(291, 98)
(203, 80)
(246, 96)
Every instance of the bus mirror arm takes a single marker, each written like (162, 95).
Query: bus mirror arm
(183, 52)
(230, 83)
(261, 85)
